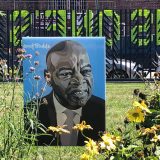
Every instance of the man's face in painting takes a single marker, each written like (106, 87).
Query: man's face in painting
(71, 74)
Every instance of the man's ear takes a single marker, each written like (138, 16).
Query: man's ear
(47, 76)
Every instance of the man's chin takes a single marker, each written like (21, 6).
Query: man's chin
(76, 104)
(77, 99)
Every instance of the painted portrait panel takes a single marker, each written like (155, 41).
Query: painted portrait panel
(64, 83)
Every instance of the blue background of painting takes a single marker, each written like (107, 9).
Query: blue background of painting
(95, 47)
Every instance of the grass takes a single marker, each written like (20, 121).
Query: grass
(119, 99)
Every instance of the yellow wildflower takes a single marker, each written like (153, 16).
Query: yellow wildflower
(58, 129)
(102, 145)
(110, 145)
(82, 126)
(155, 138)
(92, 147)
(116, 138)
(108, 141)
(141, 105)
(154, 128)
(157, 126)
(148, 131)
(135, 115)
(84, 156)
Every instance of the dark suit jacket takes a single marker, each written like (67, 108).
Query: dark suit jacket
(93, 113)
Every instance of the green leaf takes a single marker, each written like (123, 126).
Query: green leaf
(32, 124)
(158, 151)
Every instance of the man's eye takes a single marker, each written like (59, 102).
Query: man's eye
(65, 74)
(86, 72)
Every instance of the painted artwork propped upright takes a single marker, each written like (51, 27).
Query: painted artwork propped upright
(64, 85)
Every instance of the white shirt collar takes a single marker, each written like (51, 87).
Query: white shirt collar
(60, 111)
(59, 108)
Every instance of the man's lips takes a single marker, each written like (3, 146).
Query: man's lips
(78, 93)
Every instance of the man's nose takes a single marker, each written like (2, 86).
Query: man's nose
(77, 78)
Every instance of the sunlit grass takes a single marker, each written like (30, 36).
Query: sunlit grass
(119, 99)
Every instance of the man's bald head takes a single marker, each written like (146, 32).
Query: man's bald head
(63, 49)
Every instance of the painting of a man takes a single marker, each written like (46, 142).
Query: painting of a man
(71, 101)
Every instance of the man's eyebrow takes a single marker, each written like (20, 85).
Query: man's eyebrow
(64, 68)
(88, 65)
